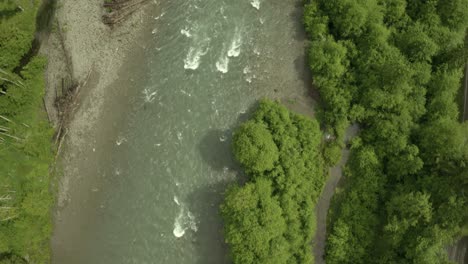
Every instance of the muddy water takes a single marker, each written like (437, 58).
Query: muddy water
(151, 180)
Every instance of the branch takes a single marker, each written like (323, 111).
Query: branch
(6, 119)
(8, 135)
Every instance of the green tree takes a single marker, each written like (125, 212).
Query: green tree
(254, 225)
(271, 218)
(254, 147)
(395, 67)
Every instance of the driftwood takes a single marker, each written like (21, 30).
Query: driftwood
(65, 105)
(60, 145)
(120, 9)
(47, 110)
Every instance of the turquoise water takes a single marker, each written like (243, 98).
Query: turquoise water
(163, 146)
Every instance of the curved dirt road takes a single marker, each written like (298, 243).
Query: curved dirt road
(321, 210)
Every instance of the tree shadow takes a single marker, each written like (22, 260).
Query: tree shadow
(216, 145)
(297, 16)
(215, 149)
(206, 201)
(45, 17)
(209, 239)
(301, 63)
(5, 14)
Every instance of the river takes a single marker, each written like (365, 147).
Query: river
(150, 188)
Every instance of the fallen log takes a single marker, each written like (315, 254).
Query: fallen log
(119, 10)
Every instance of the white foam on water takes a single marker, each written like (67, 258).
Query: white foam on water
(176, 200)
(184, 220)
(256, 51)
(186, 93)
(234, 49)
(192, 61)
(255, 4)
(160, 16)
(120, 140)
(186, 32)
(247, 72)
(154, 31)
(192, 222)
(222, 65)
(193, 58)
(179, 230)
(149, 96)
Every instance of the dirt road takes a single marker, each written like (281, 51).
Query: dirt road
(323, 204)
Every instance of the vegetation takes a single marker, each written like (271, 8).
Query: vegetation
(25, 146)
(271, 218)
(394, 67)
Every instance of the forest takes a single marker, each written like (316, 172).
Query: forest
(25, 139)
(270, 219)
(394, 67)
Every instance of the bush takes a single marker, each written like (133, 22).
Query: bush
(254, 147)
(332, 154)
(271, 218)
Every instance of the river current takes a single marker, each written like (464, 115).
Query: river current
(164, 161)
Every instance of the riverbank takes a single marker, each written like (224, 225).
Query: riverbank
(458, 252)
(86, 54)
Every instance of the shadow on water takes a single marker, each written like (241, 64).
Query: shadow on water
(215, 146)
(301, 63)
(206, 201)
(215, 149)
(297, 17)
(209, 238)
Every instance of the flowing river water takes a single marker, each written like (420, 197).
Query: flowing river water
(149, 189)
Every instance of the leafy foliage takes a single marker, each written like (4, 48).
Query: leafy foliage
(254, 147)
(271, 218)
(395, 67)
(25, 146)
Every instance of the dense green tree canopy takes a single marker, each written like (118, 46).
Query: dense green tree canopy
(271, 218)
(254, 147)
(395, 68)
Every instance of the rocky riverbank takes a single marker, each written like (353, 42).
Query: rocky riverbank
(84, 56)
